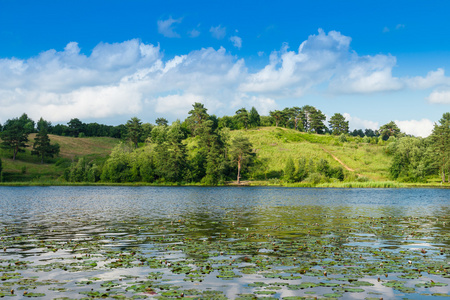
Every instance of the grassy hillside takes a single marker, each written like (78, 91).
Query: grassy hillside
(27, 167)
(276, 145)
(273, 146)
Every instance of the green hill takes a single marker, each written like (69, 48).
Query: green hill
(27, 167)
(363, 161)
(275, 146)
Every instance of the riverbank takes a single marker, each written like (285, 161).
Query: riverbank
(351, 184)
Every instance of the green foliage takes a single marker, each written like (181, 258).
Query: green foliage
(289, 170)
(42, 147)
(241, 152)
(134, 127)
(338, 124)
(242, 118)
(254, 118)
(15, 134)
(388, 130)
(196, 117)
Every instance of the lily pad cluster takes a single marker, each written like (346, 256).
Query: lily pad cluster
(275, 253)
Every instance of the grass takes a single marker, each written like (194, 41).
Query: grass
(274, 146)
(27, 167)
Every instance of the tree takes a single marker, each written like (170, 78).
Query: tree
(254, 118)
(75, 127)
(312, 119)
(388, 130)
(278, 116)
(161, 122)
(338, 124)
(289, 170)
(197, 116)
(43, 125)
(15, 135)
(42, 147)
(134, 127)
(241, 153)
(242, 116)
(441, 144)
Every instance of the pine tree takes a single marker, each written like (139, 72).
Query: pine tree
(134, 127)
(241, 153)
(338, 124)
(42, 147)
(254, 118)
(15, 135)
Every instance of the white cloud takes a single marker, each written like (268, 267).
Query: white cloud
(237, 41)
(218, 32)
(166, 28)
(421, 128)
(432, 79)
(357, 123)
(132, 78)
(194, 33)
(439, 97)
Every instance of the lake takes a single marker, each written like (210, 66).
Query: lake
(224, 243)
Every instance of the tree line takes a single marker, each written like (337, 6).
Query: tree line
(158, 152)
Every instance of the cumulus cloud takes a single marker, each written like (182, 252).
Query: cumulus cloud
(218, 32)
(357, 123)
(439, 97)
(421, 128)
(166, 28)
(237, 41)
(133, 78)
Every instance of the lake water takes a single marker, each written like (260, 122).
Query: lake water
(224, 242)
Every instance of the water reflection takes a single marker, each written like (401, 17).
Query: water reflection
(248, 234)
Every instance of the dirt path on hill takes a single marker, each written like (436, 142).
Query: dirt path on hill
(339, 161)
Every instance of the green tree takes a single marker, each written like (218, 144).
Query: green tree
(75, 127)
(289, 170)
(338, 124)
(278, 116)
(441, 144)
(242, 117)
(388, 130)
(15, 135)
(241, 153)
(161, 122)
(196, 117)
(254, 118)
(42, 147)
(134, 127)
(312, 119)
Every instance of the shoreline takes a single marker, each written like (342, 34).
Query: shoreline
(350, 184)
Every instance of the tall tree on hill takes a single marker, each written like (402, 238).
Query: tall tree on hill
(241, 153)
(196, 117)
(338, 124)
(242, 116)
(296, 112)
(313, 119)
(42, 147)
(388, 130)
(15, 135)
(441, 145)
(254, 118)
(161, 122)
(134, 127)
(278, 116)
(75, 127)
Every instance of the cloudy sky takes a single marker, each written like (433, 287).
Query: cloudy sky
(107, 61)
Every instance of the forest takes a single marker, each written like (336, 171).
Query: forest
(210, 150)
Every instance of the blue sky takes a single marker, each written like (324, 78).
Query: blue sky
(106, 61)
